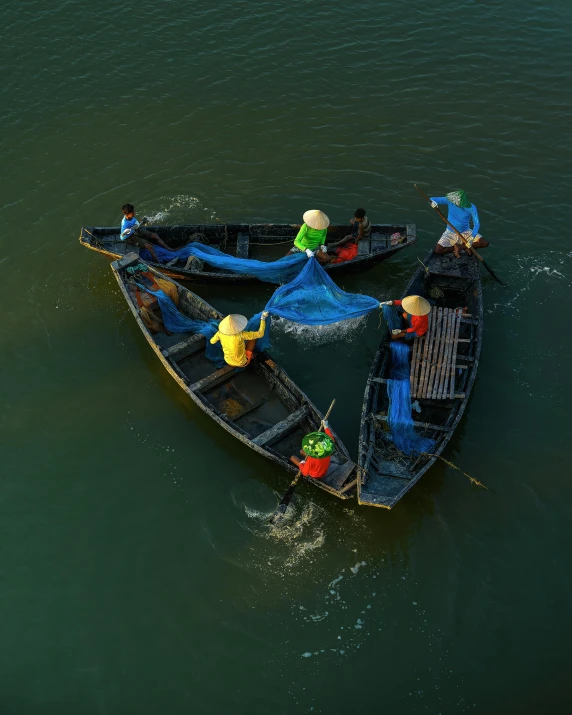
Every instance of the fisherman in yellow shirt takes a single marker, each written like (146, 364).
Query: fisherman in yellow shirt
(238, 346)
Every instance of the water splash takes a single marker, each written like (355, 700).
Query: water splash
(345, 331)
(180, 209)
(300, 532)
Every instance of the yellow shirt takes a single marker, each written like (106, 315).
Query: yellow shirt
(233, 345)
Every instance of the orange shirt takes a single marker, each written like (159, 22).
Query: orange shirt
(419, 323)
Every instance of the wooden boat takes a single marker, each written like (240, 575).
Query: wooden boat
(260, 406)
(265, 242)
(443, 369)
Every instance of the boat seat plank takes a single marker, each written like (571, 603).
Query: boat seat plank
(337, 474)
(432, 374)
(422, 425)
(281, 428)
(245, 409)
(242, 242)
(213, 379)
(192, 344)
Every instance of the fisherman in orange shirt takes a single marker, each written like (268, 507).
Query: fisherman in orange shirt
(416, 314)
(317, 449)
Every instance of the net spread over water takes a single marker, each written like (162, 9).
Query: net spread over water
(313, 298)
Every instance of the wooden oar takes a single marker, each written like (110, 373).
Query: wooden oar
(285, 501)
(463, 239)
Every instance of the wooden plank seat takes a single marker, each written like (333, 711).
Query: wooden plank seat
(434, 356)
(190, 345)
(282, 428)
(242, 241)
(338, 473)
(213, 379)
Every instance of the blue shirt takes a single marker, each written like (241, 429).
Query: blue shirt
(126, 224)
(460, 218)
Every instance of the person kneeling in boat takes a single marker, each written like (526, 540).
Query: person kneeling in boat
(132, 232)
(317, 448)
(311, 238)
(237, 345)
(415, 313)
(346, 249)
(461, 212)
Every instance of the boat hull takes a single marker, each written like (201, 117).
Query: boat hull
(258, 241)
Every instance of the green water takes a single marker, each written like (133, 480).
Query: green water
(137, 572)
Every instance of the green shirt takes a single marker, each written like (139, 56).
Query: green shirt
(311, 238)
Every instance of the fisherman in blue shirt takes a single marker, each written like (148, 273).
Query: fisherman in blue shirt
(135, 234)
(461, 213)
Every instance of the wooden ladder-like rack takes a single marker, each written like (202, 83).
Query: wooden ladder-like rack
(434, 356)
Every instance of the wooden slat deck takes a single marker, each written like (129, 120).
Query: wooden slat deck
(434, 356)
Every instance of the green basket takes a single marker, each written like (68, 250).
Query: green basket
(318, 445)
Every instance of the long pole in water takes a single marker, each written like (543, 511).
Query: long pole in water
(463, 239)
(285, 501)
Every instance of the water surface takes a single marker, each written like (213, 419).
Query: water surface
(137, 572)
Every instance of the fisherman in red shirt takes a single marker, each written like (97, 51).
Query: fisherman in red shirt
(416, 314)
(317, 448)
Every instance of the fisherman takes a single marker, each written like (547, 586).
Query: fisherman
(416, 314)
(237, 345)
(347, 248)
(311, 237)
(132, 232)
(317, 448)
(461, 212)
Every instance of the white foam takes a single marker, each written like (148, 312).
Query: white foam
(180, 209)
(356, 568)
(345, 330)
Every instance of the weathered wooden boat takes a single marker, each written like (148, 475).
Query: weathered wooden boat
(443, 370)
(264, 242)
(260, 406)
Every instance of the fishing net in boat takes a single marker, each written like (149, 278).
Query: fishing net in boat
(399, 418)
(312, 298)
(279, 272)
(177, 322)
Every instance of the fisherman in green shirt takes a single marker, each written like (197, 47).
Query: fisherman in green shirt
(311, 237)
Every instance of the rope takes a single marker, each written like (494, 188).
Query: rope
(97, 241)
(427, 271)
(450, 464)
(197, 238)
(397, 456)
(274, 243)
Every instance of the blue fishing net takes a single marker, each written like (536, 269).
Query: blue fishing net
(312, 298)
(280, 271)
(399, 418)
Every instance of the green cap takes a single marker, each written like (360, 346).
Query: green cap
(318, 445)
(459, 198)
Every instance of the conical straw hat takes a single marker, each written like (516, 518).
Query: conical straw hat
(316, 219)
(232, 324)
(415, 305)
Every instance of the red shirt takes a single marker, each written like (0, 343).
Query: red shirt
(316, 468)
(419, 323)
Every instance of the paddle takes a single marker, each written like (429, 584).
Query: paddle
(283, 506)
(463, 239)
